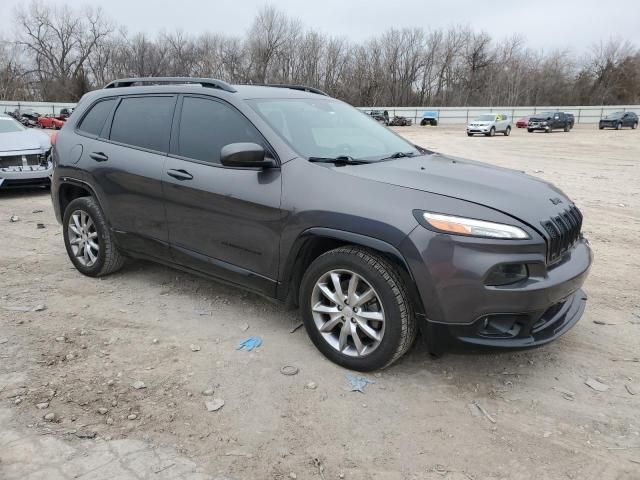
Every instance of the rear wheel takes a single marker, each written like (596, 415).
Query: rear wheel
(507, 132)
(88, 240)
(635, 125)
(618, 126)
(356, 309)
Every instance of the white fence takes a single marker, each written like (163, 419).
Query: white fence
(446, 115)
(462, 115)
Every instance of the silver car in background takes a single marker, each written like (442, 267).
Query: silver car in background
(24, 155)
(489, 124)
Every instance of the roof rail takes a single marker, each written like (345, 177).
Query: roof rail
(302, 88)
(205, 82)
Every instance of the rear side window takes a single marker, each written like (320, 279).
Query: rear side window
(207, 125)
(144, 122)
(93, 121)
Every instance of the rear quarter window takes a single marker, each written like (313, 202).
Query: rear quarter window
(144, 122)
(94, 120)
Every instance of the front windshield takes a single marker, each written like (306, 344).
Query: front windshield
(485, 118)
(327, 128)
(9, 125)
(615, 115)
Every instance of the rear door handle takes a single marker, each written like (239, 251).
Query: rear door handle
(99, 156)
(179, 174)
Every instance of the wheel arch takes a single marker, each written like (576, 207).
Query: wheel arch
(315, 241)
(70, 189)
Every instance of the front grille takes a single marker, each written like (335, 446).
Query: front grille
(563, 232)
(17, 161)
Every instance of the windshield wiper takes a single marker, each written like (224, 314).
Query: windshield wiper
(339, 160)
(399, 155)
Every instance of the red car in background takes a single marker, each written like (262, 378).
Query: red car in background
(523, 122)
(50, 121)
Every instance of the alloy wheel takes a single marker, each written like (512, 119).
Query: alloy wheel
(83, 238)
(348, 313)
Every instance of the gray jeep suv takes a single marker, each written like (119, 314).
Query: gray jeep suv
(289, 193)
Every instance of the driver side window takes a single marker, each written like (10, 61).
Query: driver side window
(208, 125)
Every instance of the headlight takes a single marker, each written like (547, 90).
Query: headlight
(544, 123)
(472, 227)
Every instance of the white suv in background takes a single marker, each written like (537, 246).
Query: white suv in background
(489, 124)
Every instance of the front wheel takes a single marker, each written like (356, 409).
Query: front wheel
(618, 126)
(356, 309)
(88, 240)
(634, 126)
(492, 132)
(469, 134)
(530, 130)
(567, 127)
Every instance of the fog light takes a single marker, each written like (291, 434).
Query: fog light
(507, 273)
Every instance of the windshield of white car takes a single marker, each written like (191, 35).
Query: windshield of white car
(327, 128)
(486, 118)
(9, 125)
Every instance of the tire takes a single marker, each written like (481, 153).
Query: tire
(567, 127)
(634, 126)
(530, 130)
(492, 132)
(469, 134)
(600, 127)
(548, 130)
(618, 126)
(107, 258)
(507, 132)
(423, 123)
(391, 301)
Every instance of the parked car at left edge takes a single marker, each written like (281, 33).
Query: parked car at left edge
(24, 155)
(618, 120)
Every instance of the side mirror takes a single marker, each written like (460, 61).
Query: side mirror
(244, 155)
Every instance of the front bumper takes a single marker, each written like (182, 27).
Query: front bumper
(20, 176)
(451, 273)
(537, 126)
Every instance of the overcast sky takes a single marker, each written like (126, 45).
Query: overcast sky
(574, 24)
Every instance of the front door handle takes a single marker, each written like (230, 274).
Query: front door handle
(179, 174)
(99, 156)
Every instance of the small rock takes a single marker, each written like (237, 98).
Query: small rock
(37, 211)
(42, 406)
(39, 308)
(194, 348)
(60, 339)
(341, 475)
(311, 386)
(40, 225)
(208, 392)
(110, 382)
(138, 385)
(547, 434)
(70, 356)
(83, 332)
(244, 327)
(155, 341)
(596, 385)
(109, 421)
(86, 434)
(14, 218)
(293, 476)
(214, 405)
(50, 417)
(132, 416)
(102, 411)
(17, 401)
(3, 340)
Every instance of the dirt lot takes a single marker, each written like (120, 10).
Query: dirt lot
(95, 338)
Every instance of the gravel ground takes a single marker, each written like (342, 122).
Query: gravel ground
(68, 408)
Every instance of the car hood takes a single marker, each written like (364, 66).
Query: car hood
(539, 119)
(24, 141)
(511, 192)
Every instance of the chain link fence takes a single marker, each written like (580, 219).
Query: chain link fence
(446, 115)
